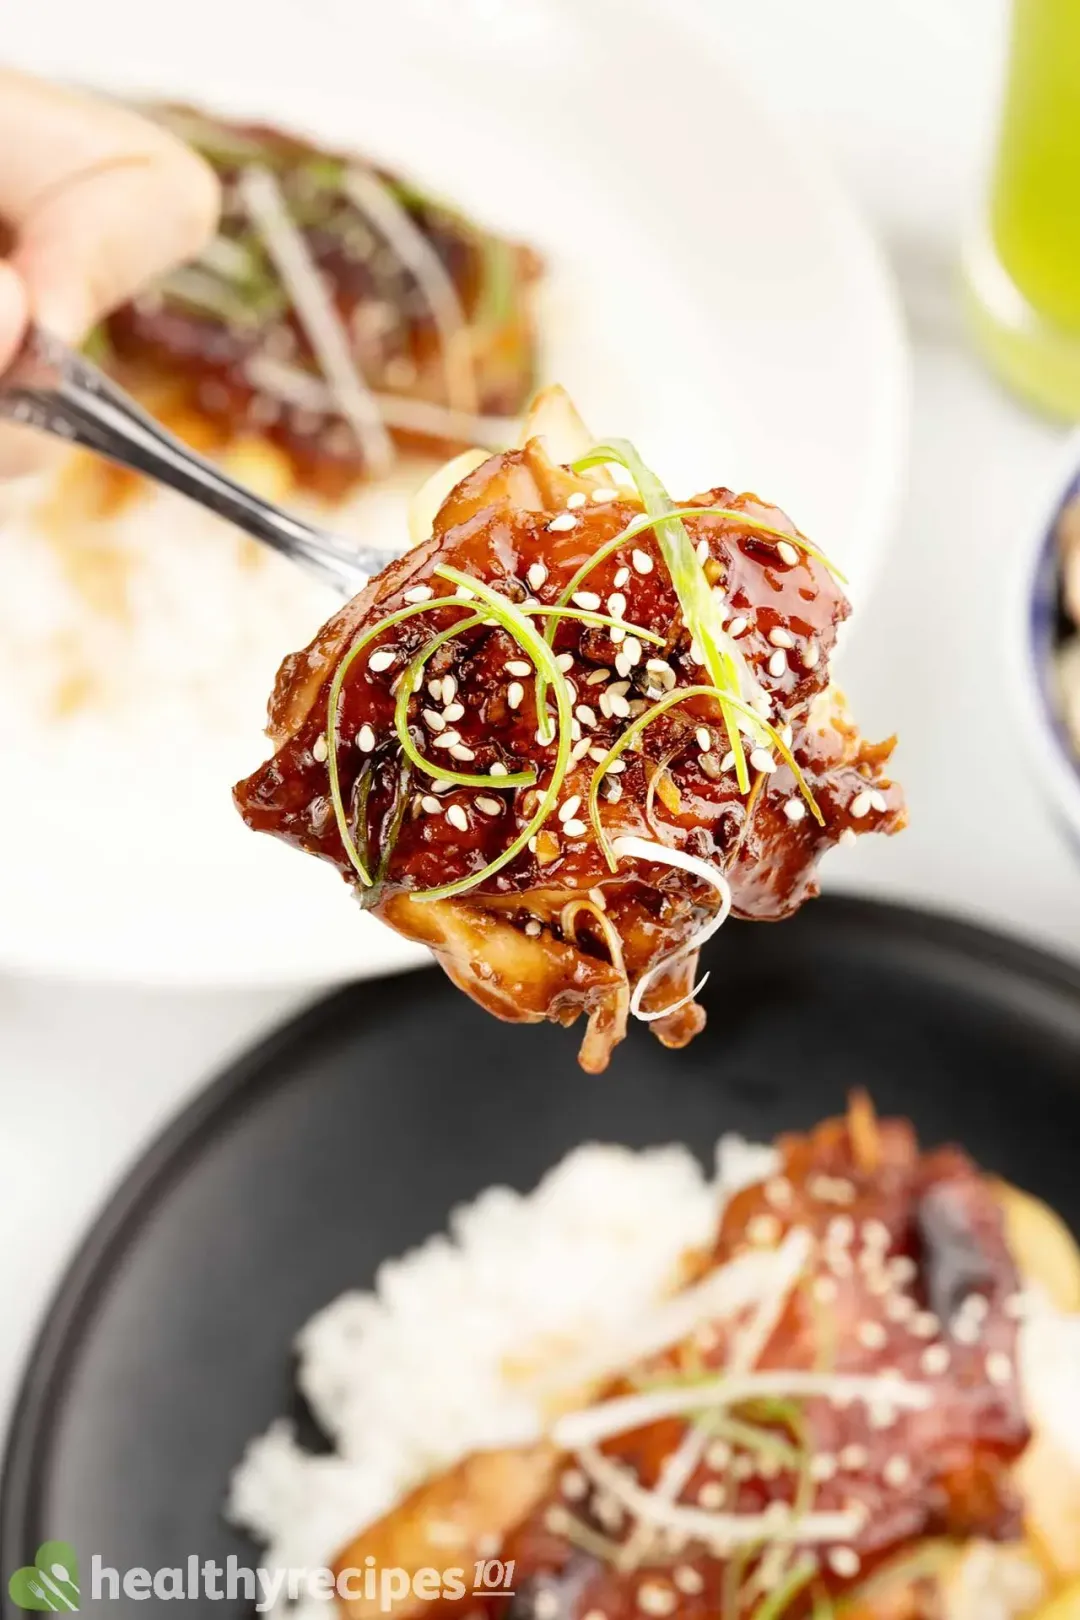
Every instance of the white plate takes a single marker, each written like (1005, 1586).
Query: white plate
(712, 297)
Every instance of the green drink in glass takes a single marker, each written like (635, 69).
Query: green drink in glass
(1022, 275)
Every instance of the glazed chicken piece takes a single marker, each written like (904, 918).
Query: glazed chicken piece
(340, 314)
(576, 922)
(872, 1446)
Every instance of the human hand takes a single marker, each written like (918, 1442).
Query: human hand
(94, 203)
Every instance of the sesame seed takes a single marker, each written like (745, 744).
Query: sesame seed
(703, 738)
(781, 637)
(433, 720)
(603, 493)
(825, 1290)
(488, 807)
(431, 804)
(447, 739)
(319, 749)
(843, 1561)
(435, 689)
(518, 666)
(622, 578)
(881, 1415)
(569, 807)
(419, 593)
(382, 659)
(498, 769)
(616, 766)
(588, 600)
(935, 1359)
(727, 762)
(779, 1192)
(872, 1335)
(711, 1495)
(465, 592)
(597, 677)
(795, 809)
(575, 500)
(618, 705)
(574, 1485)
(365, 739)
(701, 551)
(860, 804)
(688, 1580)
(632, 651)
(718, 1455)
(879, 802)
(453, 711)
(763, 1230)
(533, 928)
(788, 553)
(695, 653)
(899, 1307)
(999, 1368)
(902, 1268)
(778, 664)
(654, 1598)
(586, 715)
(642, 561)
(562, 523)
(738, 626)
(763, 761)
(854, 1457)
(594, 1614)
(599, 754)
(456, 816)
(925, 1325)
(565, 662)
(460, 751)
(841, 1229)
(545, 1602)
(617, 634)
(537, 575)
(515, 693)
(616, 604)
(574, 829)
(823, 1467)
(810, 654)
(897, 1472)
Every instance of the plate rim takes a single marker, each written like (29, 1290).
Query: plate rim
(78, 1291)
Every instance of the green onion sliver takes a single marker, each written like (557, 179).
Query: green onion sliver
(670, 701)
(333, 704)
(410, 683)
(529, 639)
(781, 1597)
(700, 609)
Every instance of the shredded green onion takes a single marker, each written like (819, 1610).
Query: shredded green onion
(700, 610)
(410, 683)
(397, 817)
(514, 621)
(781, 1597)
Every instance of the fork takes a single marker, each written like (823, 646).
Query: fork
(51, 387)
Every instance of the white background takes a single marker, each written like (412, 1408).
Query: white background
(900, 95)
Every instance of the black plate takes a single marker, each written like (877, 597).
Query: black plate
(348, 1135)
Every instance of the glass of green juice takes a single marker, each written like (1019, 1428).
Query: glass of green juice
(1022, 270)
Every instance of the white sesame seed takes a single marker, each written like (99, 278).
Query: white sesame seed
(897, 1472)
(460, 751)
(781, 637)
(788, 553)
(319, 749)
(579, 750)
(999, 1368)
(762, 761)
(616, 604)
(498, 769)
(881, 1415)
(575, 500)
(622, 578)
(617, 634)
(456, 816)
(843, 1561)
(743, 1467)
(711, 1495)
(537, 575)
(435, 689)
(605, 705)
(879, 802)
(861, 804)
(616, 766)
(810, 654)
(935, 1359)
(447, 739)
(419, 593)
(532, 927)
(642, 561)
(518, 666)
(653, 1598)
(902, 1269)
(618, 705)
(825, 1290)
(737, 626)
(632, 650)
(365, 739)
(515, 693)
(574, 829)
(854, 1457)
(795, 809)
(585, 715)
(382, 658)
(599, 754)
(453, 711)
(899, 1307)
(565, 662)
(727, 762)
(925, 1325)
(717, 1455)
(449, 689)
(840, 1230)
(701, 551)
(603, 493)
(763, 1230)
(431, 804)
(688, 1580)
(872, 1335)
(588, 600)
(433, 720)
(703, 738)
(488, 807)
(823, 1467)
(574, 1485)
(557, 1521)
(778, 664)
(569, 807)
(465, 592)
(562, 523)
(597, 677)
(779, 1192)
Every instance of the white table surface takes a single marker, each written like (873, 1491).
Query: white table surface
(901, 98)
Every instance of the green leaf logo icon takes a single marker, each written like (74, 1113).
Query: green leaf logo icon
(50, 1584)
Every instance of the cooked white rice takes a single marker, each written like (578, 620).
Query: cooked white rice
(447, 1354)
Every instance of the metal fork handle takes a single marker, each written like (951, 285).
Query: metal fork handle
(53, 388)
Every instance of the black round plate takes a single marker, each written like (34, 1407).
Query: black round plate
(349, 1134)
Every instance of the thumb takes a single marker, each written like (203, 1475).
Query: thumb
(13, 313)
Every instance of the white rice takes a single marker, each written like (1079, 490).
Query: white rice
(447, 1354)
